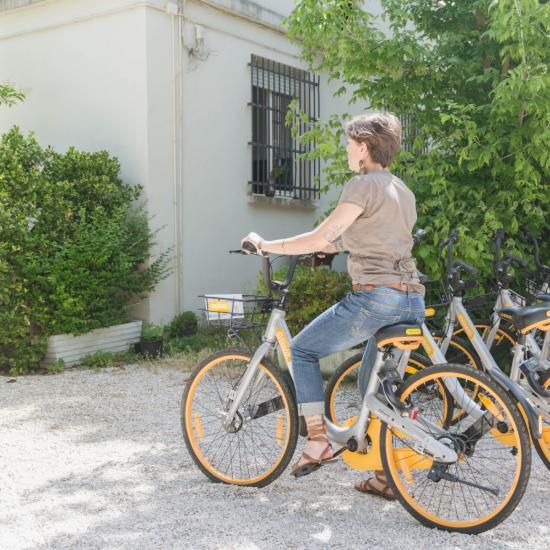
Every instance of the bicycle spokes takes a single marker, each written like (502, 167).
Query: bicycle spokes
(474, 489)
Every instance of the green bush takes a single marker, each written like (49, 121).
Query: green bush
(312, 292)
(74, 240)
(184, 324)
(103, 359)
(56, 367)
(211, 338)
(151, 333)
(197, 342)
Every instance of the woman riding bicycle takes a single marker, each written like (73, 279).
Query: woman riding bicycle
(373, 220)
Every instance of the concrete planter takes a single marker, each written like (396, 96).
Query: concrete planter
(71, 349)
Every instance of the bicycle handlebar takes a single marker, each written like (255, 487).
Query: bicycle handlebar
(501, 264)
(508, 260)
(418, 236)
(454, 268)
(500, 237)
(459, 264)
(266, 266)
(529, 237)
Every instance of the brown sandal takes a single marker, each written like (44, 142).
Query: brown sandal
(315, 433)
(366, 486)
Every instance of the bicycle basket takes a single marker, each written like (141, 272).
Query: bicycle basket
(531, 283)
(236, 311)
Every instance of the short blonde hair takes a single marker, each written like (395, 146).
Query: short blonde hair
(380, 131)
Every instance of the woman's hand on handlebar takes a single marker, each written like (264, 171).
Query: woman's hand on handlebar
(256, 241)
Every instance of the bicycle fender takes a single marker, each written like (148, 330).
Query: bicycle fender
(517, 392)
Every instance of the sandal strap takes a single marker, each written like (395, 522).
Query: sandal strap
(317, 433)
(319, 437)
(367, 486)
(312, 460)
(328, 449)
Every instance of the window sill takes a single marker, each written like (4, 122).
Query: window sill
(308, 204)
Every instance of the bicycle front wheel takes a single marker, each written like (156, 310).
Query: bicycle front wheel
(543, 444)
(258, 445)
(489, 478)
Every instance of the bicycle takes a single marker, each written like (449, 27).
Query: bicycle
(499, 338)
(498, 332)
(240, 424)
(529, 381)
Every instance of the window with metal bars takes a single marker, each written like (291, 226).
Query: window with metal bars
(277, 169)
(409, 133)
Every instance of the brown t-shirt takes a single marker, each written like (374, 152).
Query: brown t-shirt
(380, 239)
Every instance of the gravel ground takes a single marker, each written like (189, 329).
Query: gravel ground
(96, 460)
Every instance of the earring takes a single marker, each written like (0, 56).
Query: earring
(361, 164)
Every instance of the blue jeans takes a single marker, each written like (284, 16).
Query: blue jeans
(349, 322)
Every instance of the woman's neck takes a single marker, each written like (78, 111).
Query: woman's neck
(372, 167)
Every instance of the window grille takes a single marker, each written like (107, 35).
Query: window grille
(409, 133)
(277, 169)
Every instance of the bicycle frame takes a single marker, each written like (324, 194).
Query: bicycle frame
(505, 299)
(457, 314)
(277, 332)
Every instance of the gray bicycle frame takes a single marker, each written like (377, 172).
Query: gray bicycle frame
(530, 402)
(423, 442)
(505, 299)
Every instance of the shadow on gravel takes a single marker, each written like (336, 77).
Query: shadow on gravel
(130, 483)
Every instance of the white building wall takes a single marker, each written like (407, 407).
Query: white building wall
(100, 75)
(217, 157)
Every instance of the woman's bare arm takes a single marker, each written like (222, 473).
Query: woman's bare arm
(334, 247)
(321, 238)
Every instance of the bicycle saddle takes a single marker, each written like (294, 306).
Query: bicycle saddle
(400, 335)
(543, 297)
(528, 318)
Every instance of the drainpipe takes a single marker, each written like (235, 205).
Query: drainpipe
(176, 11)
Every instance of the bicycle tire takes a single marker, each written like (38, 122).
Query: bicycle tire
(542, 445)
(520, 453)
(286, 430)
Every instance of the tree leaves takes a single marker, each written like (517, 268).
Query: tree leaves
(475, 75)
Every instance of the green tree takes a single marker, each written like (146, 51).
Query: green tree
(472, 81)
(9, 95)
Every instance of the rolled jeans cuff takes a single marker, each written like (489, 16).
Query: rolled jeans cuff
(307, 409)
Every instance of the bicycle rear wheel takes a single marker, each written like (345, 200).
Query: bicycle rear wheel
(487, 482)
(260, 442)
(343, 400)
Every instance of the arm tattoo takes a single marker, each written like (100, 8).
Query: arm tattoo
(339, 245)
(333, 232)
